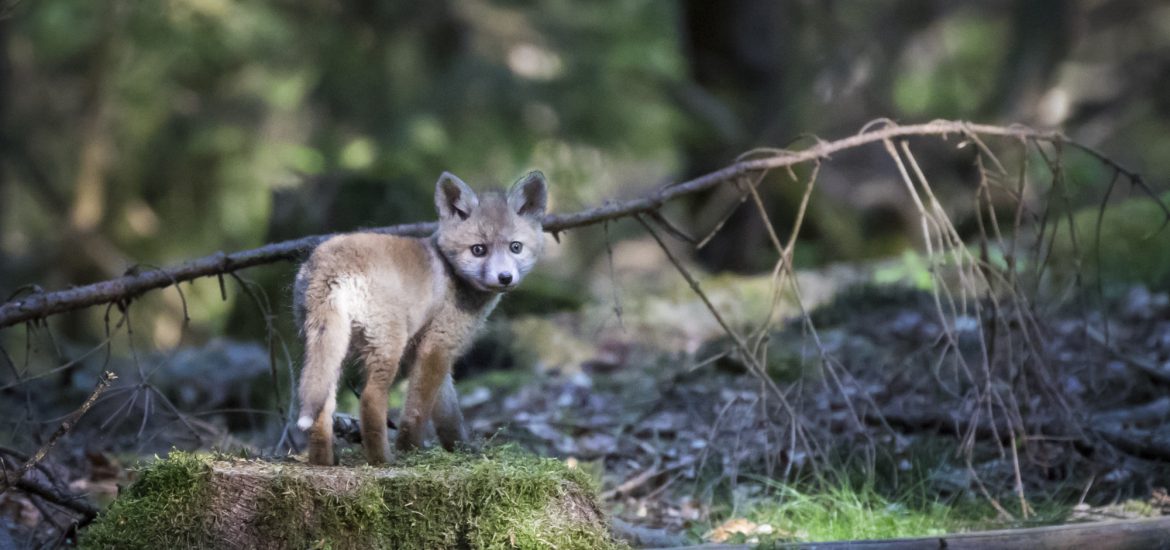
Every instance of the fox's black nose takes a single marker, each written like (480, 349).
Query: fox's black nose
(505, 278)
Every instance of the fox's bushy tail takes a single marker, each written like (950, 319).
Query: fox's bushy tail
(327, 334)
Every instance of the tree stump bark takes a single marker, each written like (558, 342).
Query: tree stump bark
(501, 499)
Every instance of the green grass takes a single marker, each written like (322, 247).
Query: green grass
(922, 491)
(848, 504)
(845, 513)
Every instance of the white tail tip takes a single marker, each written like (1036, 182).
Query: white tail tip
(304, 422)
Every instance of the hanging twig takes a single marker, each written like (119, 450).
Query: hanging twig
(749, 359)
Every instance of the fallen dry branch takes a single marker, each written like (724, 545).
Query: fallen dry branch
(1114, 427)
(103, 383)
(123, 289)
(1154, 413)
(75, 503)
(1156, 373)
(1146, 444)
(1137, 534)
(52, 492)
(645, 537)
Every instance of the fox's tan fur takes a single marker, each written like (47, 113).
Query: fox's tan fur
(395, 299)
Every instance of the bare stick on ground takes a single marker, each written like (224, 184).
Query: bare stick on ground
(74, 503)
(103, 383)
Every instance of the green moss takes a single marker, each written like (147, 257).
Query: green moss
(162, 509)
(786, 361)
(356, 519)
(869, 299)
(500, 498)
(1129, 233)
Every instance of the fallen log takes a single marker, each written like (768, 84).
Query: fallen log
(1117, 427)
(1144, 444)
(501, 498)
(1136, 534)
(1155, 413)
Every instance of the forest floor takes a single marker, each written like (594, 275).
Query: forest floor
(864, 425)
(890, 441)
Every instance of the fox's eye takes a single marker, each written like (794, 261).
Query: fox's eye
(478, 250)
(516, 247)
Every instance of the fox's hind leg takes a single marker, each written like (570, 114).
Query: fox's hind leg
(327, 336)
(321, 435)
(448, 417)
(382, 354)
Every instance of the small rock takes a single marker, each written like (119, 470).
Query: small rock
(475, 397)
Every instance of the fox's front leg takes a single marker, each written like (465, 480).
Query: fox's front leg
(426, 381)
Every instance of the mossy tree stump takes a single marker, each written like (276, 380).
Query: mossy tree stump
(500, 499)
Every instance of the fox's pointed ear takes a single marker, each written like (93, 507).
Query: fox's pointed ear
(529, 196)
(453, 197)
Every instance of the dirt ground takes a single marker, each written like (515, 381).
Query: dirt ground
(679, 435)
(646, 393)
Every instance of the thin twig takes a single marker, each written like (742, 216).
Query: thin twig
(103, 383)
(742, 347)
(636, 481)
(749, 359)
(265, 309)
(617, 299)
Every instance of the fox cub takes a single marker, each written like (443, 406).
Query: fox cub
(397, 299)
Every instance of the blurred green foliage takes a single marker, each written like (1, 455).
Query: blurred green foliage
(146, 133)
(205, 125)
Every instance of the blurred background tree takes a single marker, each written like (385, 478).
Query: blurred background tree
(141, 134)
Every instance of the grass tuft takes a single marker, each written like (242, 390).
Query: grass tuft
(843, 513)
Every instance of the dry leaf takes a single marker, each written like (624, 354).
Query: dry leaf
(739, 526)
